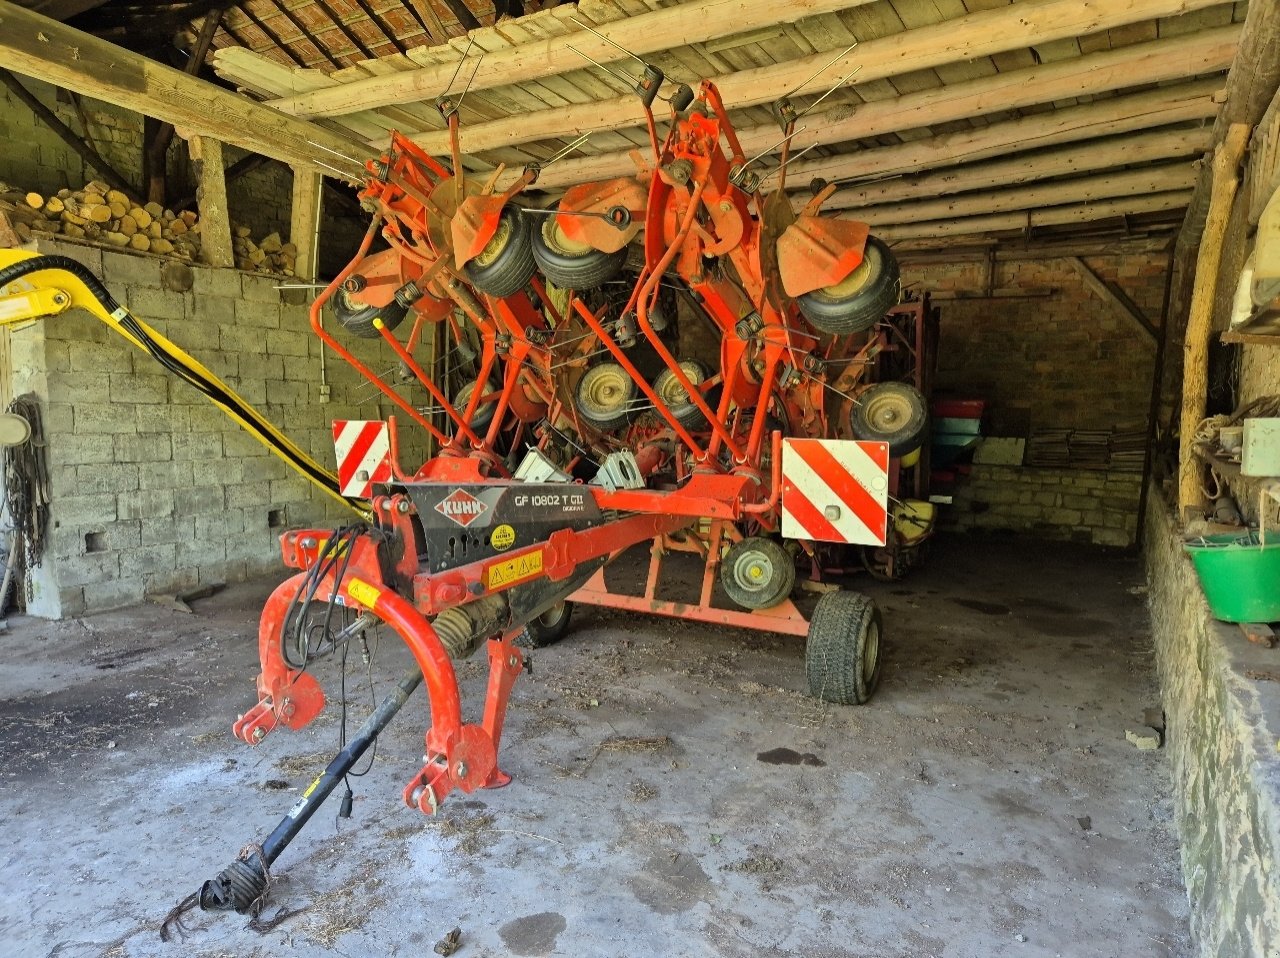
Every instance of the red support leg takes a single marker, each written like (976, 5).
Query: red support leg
(505, 662)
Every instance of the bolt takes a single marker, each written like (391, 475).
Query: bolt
(258, 734)
(286, 707)
(726, 206)
(59, 299)
(512, 661)
(460, 770)
(308, 543)
(403, 506)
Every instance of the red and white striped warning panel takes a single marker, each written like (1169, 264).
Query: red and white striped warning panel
(364, 455)
(835, 490)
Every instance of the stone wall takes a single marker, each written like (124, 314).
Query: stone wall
(1060, 504)
(1222, 708)
(154, 489)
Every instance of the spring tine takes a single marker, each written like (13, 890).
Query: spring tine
(796, 156)
(470, 42)
(566, 151)
(817, 73)
(611, 43)
(839, 83)
(470, 81)
(620, 77)
(765, 152)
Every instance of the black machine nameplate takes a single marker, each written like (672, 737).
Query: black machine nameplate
(467, 523)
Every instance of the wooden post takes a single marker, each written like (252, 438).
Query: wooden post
(211, 196)
(304, 221)
(1195, 349)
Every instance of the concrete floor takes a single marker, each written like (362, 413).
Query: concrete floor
(985, 803)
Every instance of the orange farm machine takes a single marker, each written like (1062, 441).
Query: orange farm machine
(569, 422)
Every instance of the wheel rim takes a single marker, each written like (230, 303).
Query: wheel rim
(752, 571)
(552, 617)
(607, 389)
(556, 240)
(669, 389)
(857, 279)
(484, 412)
(493, 249)
(870, 653)
(887, 413)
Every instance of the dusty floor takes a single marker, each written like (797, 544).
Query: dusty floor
(985, 803)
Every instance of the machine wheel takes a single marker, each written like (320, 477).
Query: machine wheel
(548, 628)
(861, 299)
(757, 573)
(506, 264)
(890, 412)
(484, 412)
(842, 654)
(572, 265)
(605, 396)
(674, 395)
(358, 320)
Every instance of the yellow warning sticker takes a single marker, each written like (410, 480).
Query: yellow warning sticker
(312, 787)
(363, 592)
(514, 570)
(503, 538)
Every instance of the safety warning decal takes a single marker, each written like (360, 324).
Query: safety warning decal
(515, 569)
(835, 490)
(364, 455)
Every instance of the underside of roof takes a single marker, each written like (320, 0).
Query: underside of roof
(937, 118)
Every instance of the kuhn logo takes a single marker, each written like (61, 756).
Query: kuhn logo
(461, 506)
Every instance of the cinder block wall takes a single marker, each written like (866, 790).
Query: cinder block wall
(154, 489)
(1062, 504)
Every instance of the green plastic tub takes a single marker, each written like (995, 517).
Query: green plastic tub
(1240, 577)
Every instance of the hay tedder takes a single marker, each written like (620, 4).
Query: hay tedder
(674, 358)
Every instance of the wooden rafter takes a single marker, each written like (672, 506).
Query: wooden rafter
(1004, 28)
(1159, 61)
(55, 53)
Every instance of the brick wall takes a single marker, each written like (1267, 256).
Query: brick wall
(153, 488)
(1061, 504)
(1060, 361)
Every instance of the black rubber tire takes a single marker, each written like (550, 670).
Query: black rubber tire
(548, 628)
(895, 413)
(505, 265)
(860, 300)
(842, 653)
(484, 412)
(665, 384)
(757, 573)
(570, 269)
(611, 415)
(358, 320)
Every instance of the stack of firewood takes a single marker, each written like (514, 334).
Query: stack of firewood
(99, 214)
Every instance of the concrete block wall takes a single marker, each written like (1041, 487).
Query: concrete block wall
(1222, 715)
(154, 489)
(1060, 504)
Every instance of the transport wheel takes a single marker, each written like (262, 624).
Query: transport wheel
(506, 264)
(861, 299)
(484, 412)
(571, 265)
(548, 628)
(605, 396)
(890, 412)
(757, 573)
(358, 319)
(674, 395)
(842, 654)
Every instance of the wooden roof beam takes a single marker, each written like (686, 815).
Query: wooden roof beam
(686, 23)
(1032, 219)
(1205, 52)
(1157, 179)
(1125, 114)
(55, 53)
(1104, 154)
(1024, 24)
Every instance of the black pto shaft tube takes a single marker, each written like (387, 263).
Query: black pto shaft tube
(240, 886)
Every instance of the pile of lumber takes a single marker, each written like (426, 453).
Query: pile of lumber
(107, 217)
(1121, 448)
